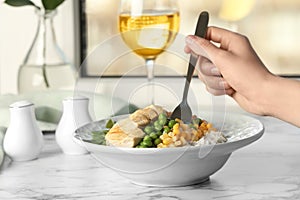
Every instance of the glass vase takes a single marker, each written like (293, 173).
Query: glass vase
(45, 65)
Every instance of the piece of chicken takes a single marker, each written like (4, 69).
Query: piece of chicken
(158, 109)
(124, 133)
(140, 118)
(128, 132)
(144, 116)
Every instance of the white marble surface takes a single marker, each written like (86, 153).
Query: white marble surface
(266, 169)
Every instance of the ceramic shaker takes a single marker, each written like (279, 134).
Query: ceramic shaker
(23, 139)
(75, 114)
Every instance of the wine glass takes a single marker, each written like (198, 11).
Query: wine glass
(148, 27)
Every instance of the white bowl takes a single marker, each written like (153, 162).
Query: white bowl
(173, 166)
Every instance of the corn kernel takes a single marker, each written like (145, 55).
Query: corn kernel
(176, 126)
(167, 141)
(164, 135)
(176, 129)
(161, 145)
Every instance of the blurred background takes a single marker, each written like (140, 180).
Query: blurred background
(273, 27)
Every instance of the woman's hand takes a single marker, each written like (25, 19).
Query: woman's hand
(230, 66)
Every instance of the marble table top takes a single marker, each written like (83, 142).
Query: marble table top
(266, 169)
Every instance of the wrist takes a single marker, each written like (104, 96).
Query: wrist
(281, 99)
(269, 94)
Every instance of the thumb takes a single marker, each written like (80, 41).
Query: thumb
(202, 47)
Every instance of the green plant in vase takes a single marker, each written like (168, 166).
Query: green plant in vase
(45, 66)
(47, 4)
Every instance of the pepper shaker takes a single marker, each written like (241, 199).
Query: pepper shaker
(75, 114)
(23, 139)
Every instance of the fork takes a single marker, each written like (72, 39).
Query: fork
(183, 110)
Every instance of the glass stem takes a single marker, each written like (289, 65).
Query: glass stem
(44, 52)
(150, 76)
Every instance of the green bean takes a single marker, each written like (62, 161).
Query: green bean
(143, 144)
(148, 129)
(148, 143)
(157, 141)
(166, 129)
(157, 126)
(162, 122)
(147, 138)
(162, 119)
(156, 123)
(153, 135)
(171, 123)
(158, 133)
(162, 116)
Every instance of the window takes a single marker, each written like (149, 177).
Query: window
(271, 25)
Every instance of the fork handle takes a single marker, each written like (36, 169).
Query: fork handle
(201, 32)
(190, 72)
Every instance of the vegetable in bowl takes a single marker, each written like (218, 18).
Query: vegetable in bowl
(152, 127)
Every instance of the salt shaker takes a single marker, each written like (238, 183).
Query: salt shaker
(23, 139)
(75, 114)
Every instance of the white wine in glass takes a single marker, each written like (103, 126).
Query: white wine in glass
(148, 27)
